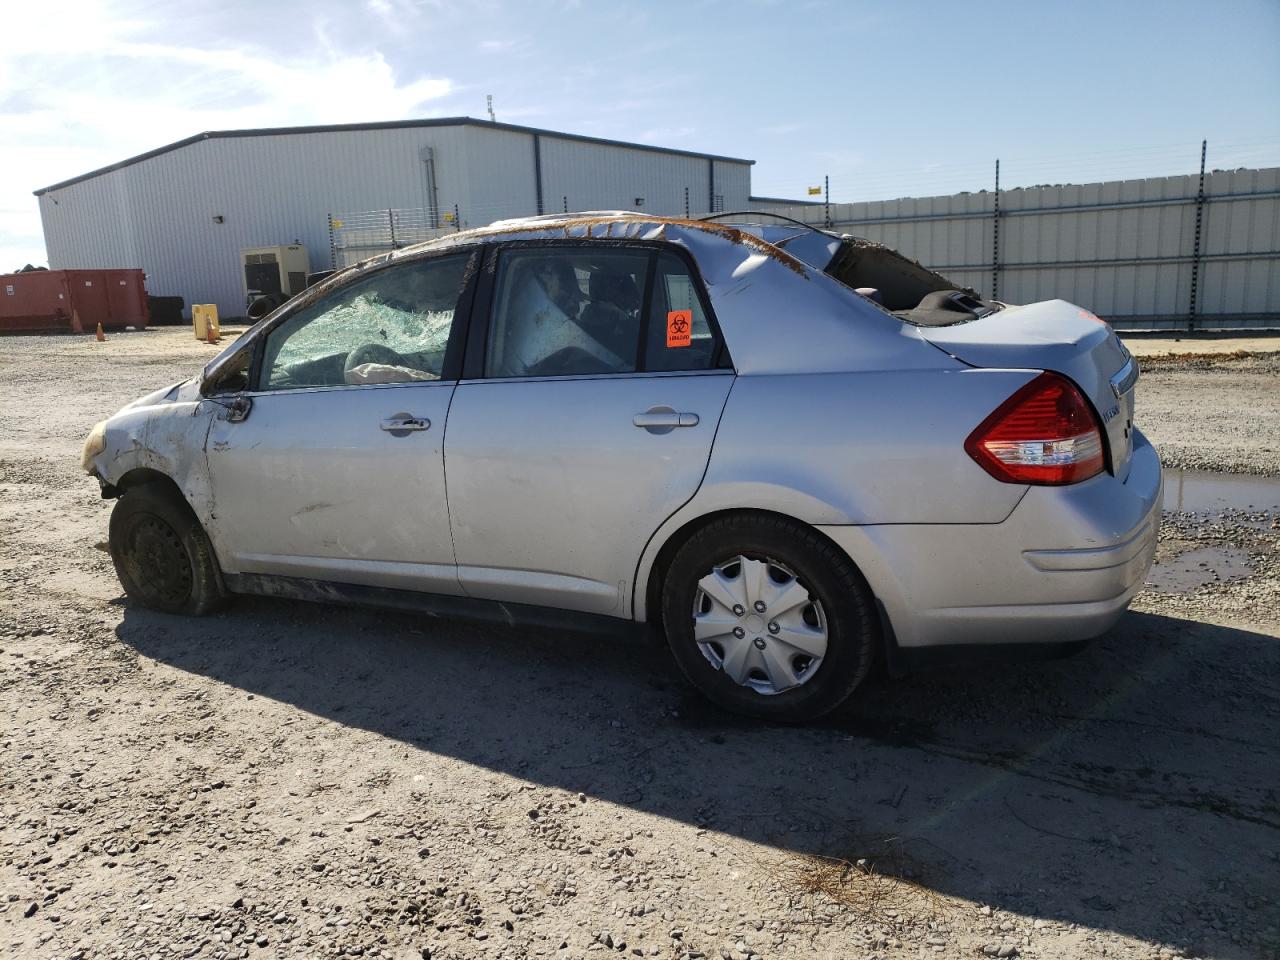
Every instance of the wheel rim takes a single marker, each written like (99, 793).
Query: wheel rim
(156, 561)
(757, 622)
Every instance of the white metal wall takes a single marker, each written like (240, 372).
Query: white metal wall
(157, 214)
(500, 176)
(1123, 249)
(591, 176)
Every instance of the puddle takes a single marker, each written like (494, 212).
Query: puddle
(1202, 492)
(1197, 568)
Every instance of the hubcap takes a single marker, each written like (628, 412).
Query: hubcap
(768, 654)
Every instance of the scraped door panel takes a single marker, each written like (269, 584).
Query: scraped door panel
(338, 471)
(313, 485)
(554, 489)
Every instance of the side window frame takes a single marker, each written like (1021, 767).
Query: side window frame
(451, 368)
(720, 358)
(473, 363)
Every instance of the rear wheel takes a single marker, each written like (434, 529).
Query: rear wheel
(768, 618)
(161, 554)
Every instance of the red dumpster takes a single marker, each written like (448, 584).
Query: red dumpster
(47, 301)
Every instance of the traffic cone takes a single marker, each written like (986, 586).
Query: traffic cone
(212, 336)
(100, 335)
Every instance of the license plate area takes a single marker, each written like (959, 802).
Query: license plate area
(1120, 426)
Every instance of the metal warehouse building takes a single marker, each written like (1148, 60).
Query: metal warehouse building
(184, 212)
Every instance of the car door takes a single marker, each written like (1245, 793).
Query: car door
(337, 472)
(595, 380)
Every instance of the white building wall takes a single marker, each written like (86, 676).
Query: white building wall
(500, 175)
(732, 186)
(157, 214)
(593, 176)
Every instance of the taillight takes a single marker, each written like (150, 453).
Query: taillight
(1046, 433)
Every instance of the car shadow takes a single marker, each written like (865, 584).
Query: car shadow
(1131, 788)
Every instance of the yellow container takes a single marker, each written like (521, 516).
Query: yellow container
(204, 318)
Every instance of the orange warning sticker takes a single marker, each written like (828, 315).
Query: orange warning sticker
(679, 328)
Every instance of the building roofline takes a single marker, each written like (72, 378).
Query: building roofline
(381, 125)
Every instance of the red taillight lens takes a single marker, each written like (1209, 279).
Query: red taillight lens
(1045, 433)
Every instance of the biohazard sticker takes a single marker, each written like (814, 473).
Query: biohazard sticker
(679, 328)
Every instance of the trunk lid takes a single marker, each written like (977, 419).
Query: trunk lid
(1061, 337)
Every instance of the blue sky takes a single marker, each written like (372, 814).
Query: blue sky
(887, 98)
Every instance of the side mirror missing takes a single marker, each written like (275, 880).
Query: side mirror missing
(239, 409)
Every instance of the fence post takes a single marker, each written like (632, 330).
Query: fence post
(1195, 253)
(333, 251)
(686, 203)
(537, 172)
(457, 222)
(391, 222)
(826, 202)
(566, 203)
(995, 240)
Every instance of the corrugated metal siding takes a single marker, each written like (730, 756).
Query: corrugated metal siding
(733, 185)
(500, 176)
(157, 214)
(589, 176)
(1237, 228)
(1124, 249)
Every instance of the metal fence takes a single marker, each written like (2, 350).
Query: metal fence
(357, 236)
(1170, 253)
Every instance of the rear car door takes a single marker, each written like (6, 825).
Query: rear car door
(596, 376)
(337, 473)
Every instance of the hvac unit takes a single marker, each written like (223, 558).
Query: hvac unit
(272, 275)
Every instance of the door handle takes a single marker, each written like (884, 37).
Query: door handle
(402, 422)
(663, 420)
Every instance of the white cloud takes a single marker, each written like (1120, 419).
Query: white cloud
(106, 85)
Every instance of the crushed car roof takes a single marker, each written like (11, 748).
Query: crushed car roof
(609, 225)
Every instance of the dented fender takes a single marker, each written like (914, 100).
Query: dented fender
(166, 436)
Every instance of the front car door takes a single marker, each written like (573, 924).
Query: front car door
(595, 380)
(337, 473)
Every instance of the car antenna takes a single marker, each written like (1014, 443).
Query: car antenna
(765, 213)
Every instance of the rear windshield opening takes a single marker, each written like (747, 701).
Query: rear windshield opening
(907, 289)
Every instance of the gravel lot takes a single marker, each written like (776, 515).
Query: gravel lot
(1213, 412)
(299, 781)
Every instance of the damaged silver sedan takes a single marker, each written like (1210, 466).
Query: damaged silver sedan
(792, 452)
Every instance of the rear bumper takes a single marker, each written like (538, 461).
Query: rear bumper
(1061, 569)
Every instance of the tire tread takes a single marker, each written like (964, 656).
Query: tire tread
(853, 602)
(208, 592)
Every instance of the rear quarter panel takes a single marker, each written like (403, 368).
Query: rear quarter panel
(883, 447)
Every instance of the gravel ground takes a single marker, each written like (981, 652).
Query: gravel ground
(299, 781)
(1213, 412)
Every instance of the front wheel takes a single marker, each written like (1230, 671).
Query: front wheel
(161, 553)
(768, 618)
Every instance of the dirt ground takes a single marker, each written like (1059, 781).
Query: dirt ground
(300, 781)
(1155, 346)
